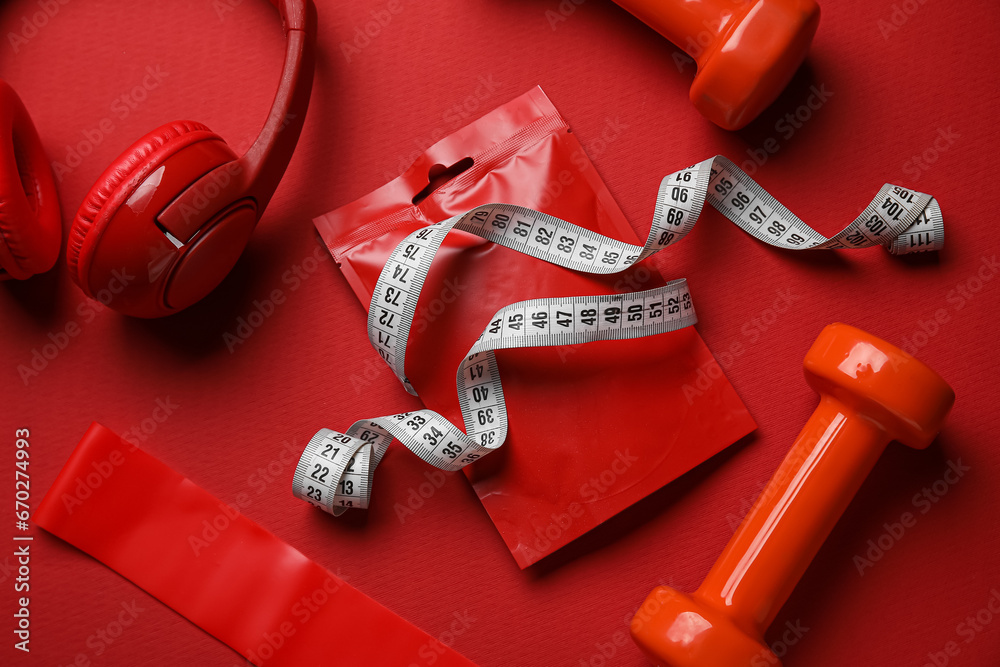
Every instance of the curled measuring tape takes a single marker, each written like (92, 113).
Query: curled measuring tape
(335, 470)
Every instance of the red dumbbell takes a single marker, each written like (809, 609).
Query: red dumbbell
(871, 393)
(746, 50)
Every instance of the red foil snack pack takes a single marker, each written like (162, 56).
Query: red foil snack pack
(593, 428)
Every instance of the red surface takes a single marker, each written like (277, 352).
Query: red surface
(617, 84)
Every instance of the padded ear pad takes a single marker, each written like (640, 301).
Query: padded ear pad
(116, 184)
(30, 224)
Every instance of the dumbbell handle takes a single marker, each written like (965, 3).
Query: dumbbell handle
(794, 514)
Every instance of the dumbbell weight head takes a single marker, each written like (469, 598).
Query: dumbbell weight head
(881, 382)
(752, 61)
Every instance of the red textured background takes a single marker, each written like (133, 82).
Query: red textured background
(891, 94)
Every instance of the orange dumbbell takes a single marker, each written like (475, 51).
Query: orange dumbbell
(746, 50)
(871, 393)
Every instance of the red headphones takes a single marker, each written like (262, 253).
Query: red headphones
(172, 214)
(30, 227)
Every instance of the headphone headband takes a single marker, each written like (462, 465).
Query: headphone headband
(256, 174)
(295, 14)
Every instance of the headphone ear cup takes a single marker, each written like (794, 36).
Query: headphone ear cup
(114, 186)
(30, 222)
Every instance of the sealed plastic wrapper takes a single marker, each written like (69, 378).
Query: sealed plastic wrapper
(593, 428)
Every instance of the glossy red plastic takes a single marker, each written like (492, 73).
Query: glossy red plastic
(593, 428)
(204, 559)
(30, 225)
(747, 51)
(169, 218)
(871, 393)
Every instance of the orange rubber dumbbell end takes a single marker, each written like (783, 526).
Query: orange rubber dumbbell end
(754, 62)
(746, 51)
(871, 393)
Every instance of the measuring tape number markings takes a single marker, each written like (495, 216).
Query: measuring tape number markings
(336, 468)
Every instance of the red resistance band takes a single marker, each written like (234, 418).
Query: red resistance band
(247, 588)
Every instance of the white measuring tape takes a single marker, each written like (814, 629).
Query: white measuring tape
(335, 470)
